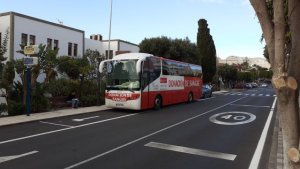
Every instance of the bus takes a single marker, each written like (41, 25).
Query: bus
(141, 81)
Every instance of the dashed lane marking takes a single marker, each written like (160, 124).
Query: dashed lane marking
(55, 124)
(193, 151)
(8, 158)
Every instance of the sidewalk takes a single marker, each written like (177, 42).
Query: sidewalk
(4, 121)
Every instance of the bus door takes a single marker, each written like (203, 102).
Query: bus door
(145, 78)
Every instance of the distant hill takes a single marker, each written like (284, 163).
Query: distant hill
(239, 60)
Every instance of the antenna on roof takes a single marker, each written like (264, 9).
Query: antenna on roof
(60, 22)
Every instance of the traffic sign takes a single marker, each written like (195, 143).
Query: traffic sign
(29, 61)
(232, 118)
(31, 49)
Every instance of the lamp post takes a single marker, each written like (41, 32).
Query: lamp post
(110, 18)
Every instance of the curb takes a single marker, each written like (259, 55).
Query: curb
(5, 121)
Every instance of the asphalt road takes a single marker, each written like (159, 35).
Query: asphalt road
(223, 132)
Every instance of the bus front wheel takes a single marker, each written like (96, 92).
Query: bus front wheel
(157, 102)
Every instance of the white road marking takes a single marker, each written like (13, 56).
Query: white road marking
(56, 124)
(8, 158)
(149, 135)
(80, 120)
(252, 94)
(232, 118)
(247, 94)
(199, 100)
(267, 95)
(56, 131)
(260, 94)
(258, 152)
(274, 95)
(193, 151)
(249, 105)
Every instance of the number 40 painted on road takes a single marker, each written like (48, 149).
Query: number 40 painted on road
(227, 117)
(232, 118)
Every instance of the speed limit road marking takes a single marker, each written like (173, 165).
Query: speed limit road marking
(232, 118)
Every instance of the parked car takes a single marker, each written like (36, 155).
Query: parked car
(239, 86)
(248, 86)
(264, 85)
(254, 85)
(206, 91)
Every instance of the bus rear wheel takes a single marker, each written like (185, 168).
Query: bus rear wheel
(190, 97)
(157, 102)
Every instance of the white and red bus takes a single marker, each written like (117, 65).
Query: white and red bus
(141, 81)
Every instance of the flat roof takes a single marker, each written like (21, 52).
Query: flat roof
(40, 20)
(119, 40)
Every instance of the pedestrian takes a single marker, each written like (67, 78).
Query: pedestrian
(72, 98)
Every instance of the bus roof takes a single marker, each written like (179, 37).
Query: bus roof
(142, 56)
(131, 56)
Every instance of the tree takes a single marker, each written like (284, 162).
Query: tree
(207, 51)
(76, 69)
(157, 46)
(3, 50)
(276, 24)
(228, 73)
(177, 49)
(94, 57)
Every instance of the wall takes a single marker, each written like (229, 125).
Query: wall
(42, 31)
(124, 46)
(113, 46)
(94, 45)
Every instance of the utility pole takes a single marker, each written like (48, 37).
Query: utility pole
(110, 18)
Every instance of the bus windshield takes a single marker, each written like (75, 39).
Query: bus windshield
(122, 75)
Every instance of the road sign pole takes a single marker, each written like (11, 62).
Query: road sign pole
(29, 61)
(28, 85)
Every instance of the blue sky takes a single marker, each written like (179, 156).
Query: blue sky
(233, 24)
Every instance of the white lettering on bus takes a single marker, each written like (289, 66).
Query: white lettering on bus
(176, 83)
(192, 83)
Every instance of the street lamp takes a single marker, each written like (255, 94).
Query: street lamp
(111, 1)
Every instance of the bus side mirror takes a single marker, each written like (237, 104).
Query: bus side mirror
(139, 66)
(101, 66)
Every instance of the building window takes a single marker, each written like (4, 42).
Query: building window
(49, 43)
(24, 38)
(32, 40)
(110, 54)
(70, 49)
(55, 44)
(75, 49)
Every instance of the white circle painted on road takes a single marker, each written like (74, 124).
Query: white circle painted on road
(232, 118)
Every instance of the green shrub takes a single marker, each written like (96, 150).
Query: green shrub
(38, 101)
(3, 107)
(62, 87)
(89, 88)
(90, 100)
(15, 108)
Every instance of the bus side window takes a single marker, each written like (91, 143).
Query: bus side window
(165, 68)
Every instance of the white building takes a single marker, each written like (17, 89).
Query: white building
(117, 46)
(26, 30)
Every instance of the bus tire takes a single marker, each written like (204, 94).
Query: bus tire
(190, 97)
(157, 102)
